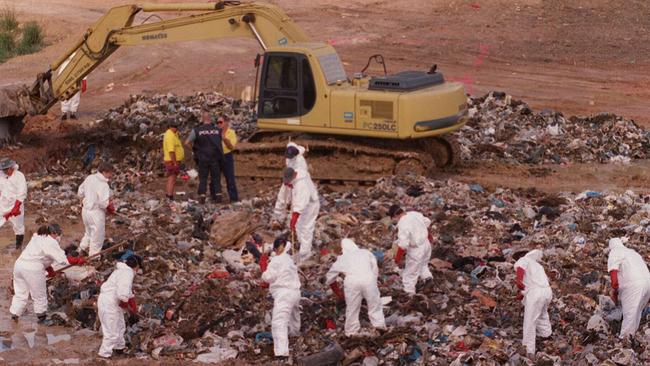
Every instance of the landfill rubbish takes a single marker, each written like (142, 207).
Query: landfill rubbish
(200, 299)
(330, 355)
(502, 128)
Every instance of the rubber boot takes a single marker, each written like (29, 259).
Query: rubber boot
(73, 116)
(41, 318)
(64, 116)
(19, 241)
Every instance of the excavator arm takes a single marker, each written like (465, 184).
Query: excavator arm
(266, 23)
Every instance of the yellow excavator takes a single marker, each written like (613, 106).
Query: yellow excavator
(355, 128)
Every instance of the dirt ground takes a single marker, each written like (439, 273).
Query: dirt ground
(575, 56)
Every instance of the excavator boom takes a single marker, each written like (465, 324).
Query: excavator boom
(266, 23)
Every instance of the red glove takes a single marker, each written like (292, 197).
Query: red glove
(50, 272)
(15, 211)
(399, 256)
(124, 305)
(84, 85)
(613, 275)
(263, 284)
(520, 278)
(430, 237)
(520, 296)
(79, 261)
(264, 262)
(131, 306)
(294, 220)
(337, 291)
(110, 209)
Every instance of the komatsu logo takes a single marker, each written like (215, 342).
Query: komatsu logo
(151, 37)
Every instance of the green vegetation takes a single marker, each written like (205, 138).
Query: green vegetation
(17, 39)
(8, 21)
(32, 38)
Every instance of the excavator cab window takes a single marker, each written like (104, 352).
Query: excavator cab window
(309, 88)
(287, 86)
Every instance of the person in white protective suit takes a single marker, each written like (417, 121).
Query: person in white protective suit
(537, 295)
(69, 107)
(13, 192)
(630, 283)
(299, 191)
(31, 267)
(360, 269)
(96, 196)
(284, 284)
(295, 157)
(414, 241)
(116, 294)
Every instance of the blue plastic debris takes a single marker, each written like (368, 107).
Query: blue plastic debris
(379, 255)
(476, 188)
(488, 333)
(441, 338)
(126, 255)
(498, 202)
(593, 194)
(415, 354)
(90, 155)
(477, 271)
(572, 227)
(316, 293)
(263, 336)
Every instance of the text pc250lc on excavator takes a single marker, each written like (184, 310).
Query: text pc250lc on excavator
(367, 126)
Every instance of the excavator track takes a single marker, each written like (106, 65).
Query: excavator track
(342, 159)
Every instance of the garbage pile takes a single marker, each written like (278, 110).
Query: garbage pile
(505, 129)
(500, 128)
(198, 299)
(143, 117)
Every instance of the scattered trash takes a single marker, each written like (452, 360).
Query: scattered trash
(504, 129)
(200, 298)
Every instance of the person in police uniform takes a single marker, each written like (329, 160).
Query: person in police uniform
(209, 155)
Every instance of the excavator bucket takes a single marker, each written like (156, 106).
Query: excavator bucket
(12, 111)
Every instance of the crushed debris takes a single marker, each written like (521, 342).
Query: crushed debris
(504, 129)
(198, 299)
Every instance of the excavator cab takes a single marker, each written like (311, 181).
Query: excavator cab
(287, 88)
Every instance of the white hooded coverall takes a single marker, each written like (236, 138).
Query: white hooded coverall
(71, 105)
(537, 297)
(29, 273)
(303, 198)
(413, 237)
(633, 282)
(95, 193)
(298, 162)
(117, 288)
(12, 189)
(360, 269)
(284, 285)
